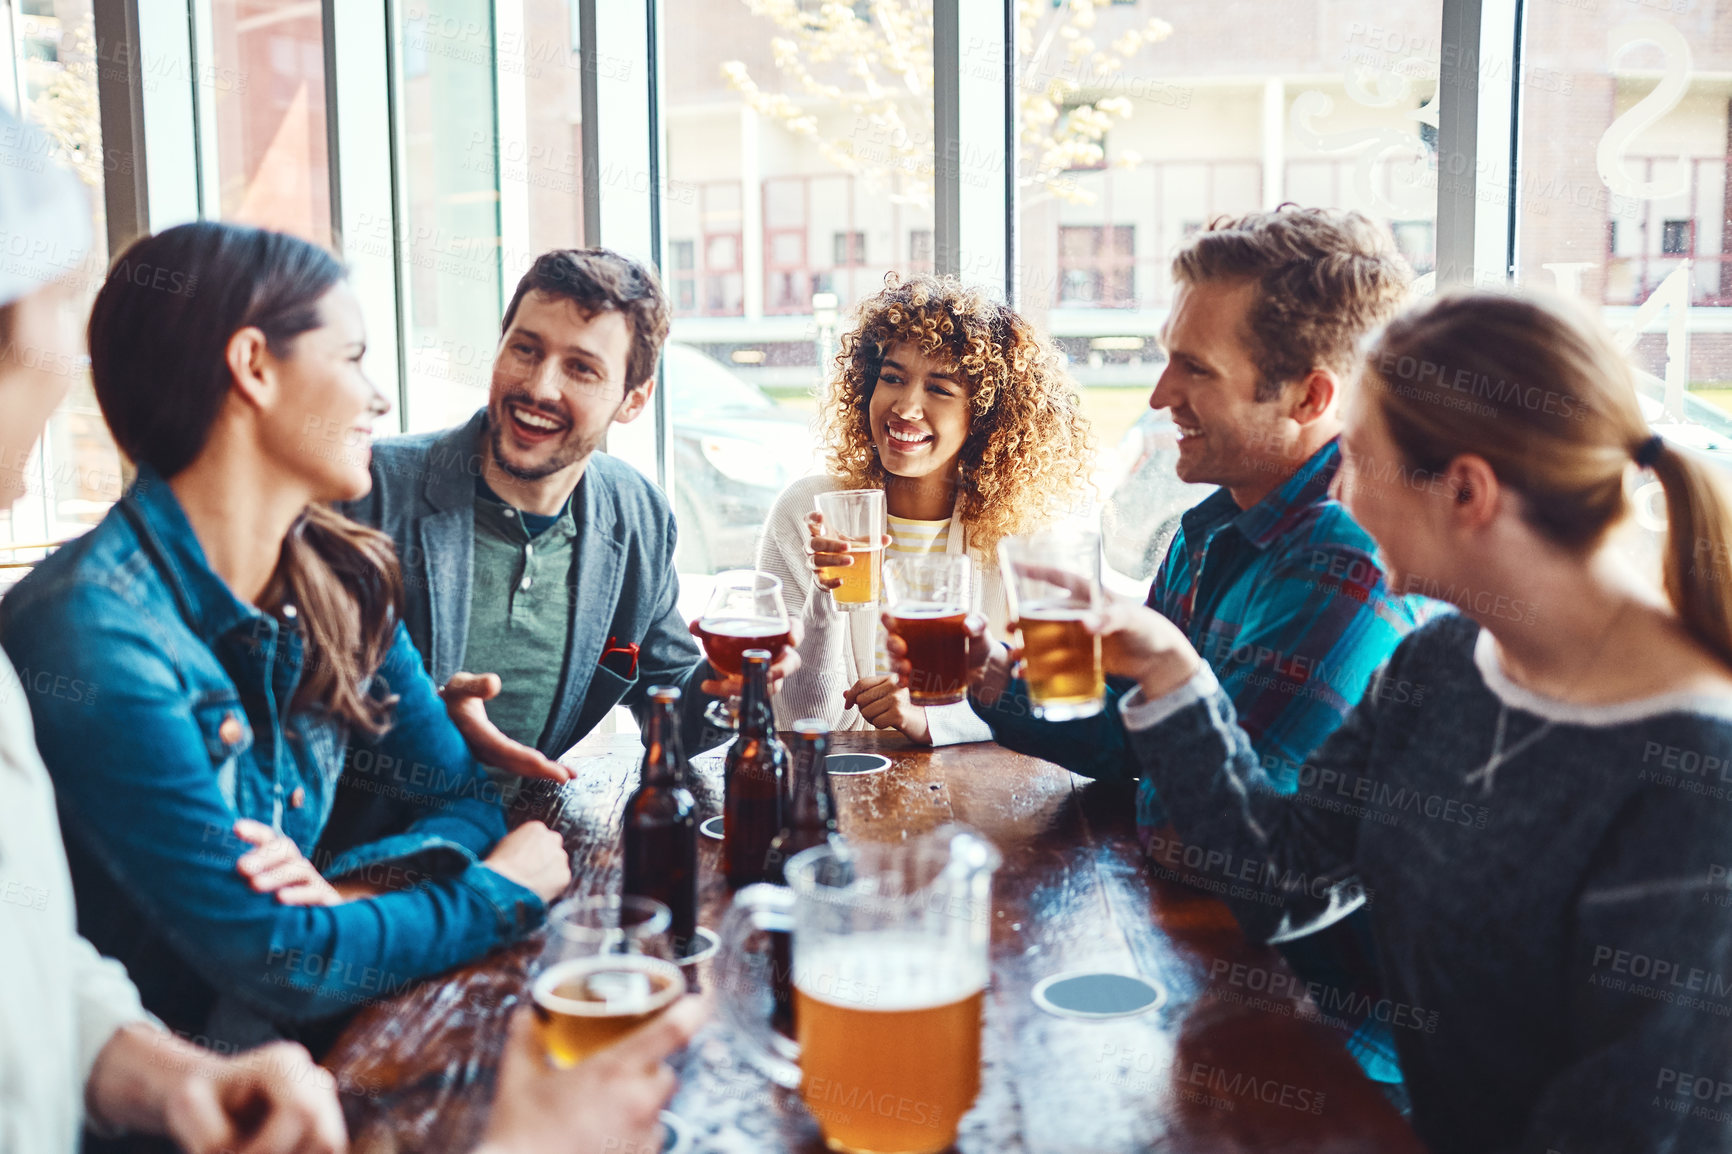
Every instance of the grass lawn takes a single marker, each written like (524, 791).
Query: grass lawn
(1718, 393)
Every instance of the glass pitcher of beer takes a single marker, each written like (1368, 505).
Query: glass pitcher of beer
(890, 945)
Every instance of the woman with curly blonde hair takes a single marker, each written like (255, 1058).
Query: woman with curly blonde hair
(956, 408)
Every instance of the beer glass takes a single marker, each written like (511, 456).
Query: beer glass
(745, 611)
(607, 969)
(890, 971)
(930, 600)
(1052, 580)
(857, 517)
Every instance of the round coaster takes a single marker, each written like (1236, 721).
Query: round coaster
(703, 946)
(848, 764)
(1083, 994)
(711, 827)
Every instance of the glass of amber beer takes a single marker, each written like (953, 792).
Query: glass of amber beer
(890, 972)
(857, 517)
(606, 970)
(930, 600)
(1052, 580)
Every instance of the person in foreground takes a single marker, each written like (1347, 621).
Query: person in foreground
(964, 416)
(1269, 578)
(76, 1047)
(230, 635)
(1518, 813)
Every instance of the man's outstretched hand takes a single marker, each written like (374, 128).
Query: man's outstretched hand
(465, 696)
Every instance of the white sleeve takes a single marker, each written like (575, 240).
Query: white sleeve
(956, 724)
(107, 1000)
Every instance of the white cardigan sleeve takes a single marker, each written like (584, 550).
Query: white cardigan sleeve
(815, 689)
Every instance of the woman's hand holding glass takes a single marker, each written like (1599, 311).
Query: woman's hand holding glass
(981, 651)
(1136, 642)
(832, 552)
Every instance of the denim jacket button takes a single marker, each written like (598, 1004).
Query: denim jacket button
(298, 798)
(230, 729)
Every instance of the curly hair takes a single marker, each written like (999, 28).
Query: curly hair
(1029, 449)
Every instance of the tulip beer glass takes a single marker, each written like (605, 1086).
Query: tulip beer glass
(745, 611)
(1052, 581)
(857, 517)
(929, 600)
(890, 972)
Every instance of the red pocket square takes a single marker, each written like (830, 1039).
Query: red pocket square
(621, 659)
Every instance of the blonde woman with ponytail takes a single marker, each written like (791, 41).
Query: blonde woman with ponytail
(1534, 798)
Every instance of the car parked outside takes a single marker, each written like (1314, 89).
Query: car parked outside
(734, 450)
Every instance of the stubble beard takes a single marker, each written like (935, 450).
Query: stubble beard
(564, 457)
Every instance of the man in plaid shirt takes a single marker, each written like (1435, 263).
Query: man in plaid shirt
(1278, 588)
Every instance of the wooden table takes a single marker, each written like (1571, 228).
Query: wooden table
(1221, 1067)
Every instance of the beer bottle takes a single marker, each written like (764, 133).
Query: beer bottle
(752, 773)
(811, 818)
(661, 822)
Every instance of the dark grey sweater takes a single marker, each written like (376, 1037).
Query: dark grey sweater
(1554, 936)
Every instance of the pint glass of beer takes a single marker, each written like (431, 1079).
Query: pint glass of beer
(929, 600)
(1052, 580)
(890, 972)
(857, 517)
(606, 970)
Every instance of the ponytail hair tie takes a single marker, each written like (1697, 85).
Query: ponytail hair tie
(1648, 452)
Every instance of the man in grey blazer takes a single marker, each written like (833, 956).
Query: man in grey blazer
(541, 566)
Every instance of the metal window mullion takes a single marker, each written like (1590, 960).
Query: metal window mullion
(620, 54)
(144, 81)
(11, 75)
(511, 140)
(359, 122)
(204, 112)
(1478, 138)
(973, 119)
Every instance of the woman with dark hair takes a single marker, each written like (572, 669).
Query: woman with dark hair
(200, 660)
(956, 408)
(1524, 800)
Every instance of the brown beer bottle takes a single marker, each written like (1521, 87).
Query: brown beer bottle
(811, 817)
(661, 822)
(753, 771)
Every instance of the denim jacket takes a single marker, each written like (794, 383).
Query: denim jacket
(161, 705)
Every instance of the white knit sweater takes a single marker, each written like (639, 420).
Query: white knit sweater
(837, 645)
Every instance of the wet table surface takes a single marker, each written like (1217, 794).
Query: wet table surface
(1235, 1060)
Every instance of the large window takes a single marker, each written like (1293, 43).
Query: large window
(1143, 122)
(267, 84)
(450, 235)
(1623, 182)
(780, 159)
(74, 474)
(800, 162)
